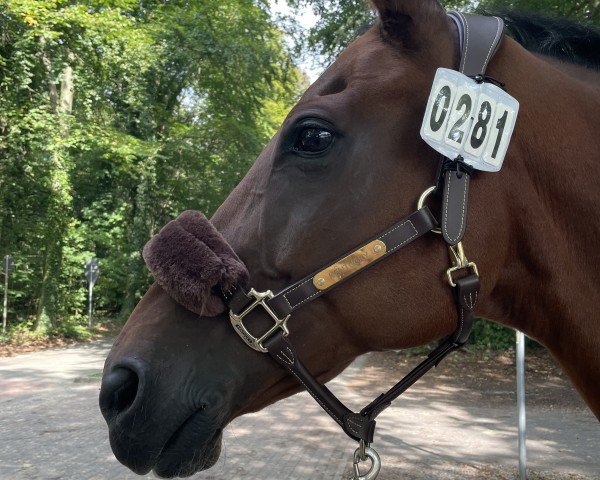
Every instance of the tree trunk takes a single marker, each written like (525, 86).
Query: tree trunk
(66, 91)
(62, 105)
(42, 295)
(52, 90)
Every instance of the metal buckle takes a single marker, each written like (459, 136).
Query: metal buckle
(260, 298)
(459, 261)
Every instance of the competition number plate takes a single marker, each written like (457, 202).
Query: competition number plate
(469, 119)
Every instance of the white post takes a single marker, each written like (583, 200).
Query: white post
(90, 288)
(5, 310)
(521, 404)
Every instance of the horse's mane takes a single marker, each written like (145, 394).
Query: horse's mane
(561, 38)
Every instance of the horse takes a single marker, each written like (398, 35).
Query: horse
(346, 163)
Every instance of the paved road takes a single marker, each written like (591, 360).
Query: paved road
(51, 428)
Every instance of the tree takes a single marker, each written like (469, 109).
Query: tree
(115, 115)
(341, 20)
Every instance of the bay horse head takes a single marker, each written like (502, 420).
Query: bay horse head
(347, 162)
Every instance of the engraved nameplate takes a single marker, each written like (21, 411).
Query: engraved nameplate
(349, 264)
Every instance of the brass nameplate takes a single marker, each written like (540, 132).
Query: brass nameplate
(349, 264)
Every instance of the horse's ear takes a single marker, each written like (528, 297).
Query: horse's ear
(411, 22)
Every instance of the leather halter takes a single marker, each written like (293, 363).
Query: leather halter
(479, 37)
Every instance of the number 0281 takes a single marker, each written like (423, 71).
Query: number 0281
(469, 119)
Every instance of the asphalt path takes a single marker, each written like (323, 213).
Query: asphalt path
(51, 428)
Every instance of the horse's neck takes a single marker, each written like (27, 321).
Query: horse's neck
(548, 285)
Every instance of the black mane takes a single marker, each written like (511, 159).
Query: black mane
(562, 38)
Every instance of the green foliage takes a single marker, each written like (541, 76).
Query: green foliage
(587, 11)
(341, 20)
(491, 336)
(116, 115)
(338, 24)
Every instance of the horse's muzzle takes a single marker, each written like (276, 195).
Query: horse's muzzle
(146, 434)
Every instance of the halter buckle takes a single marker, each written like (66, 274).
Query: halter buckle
(237, 320)
(459, 261)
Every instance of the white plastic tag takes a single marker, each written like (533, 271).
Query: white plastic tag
(470, 119)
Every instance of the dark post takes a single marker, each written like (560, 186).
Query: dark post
(8, 263)
(91, 272)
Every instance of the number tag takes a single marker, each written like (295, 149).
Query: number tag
(470, 119)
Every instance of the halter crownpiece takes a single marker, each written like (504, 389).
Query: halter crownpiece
(191, 260)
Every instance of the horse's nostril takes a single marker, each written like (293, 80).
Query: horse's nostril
(119, 389)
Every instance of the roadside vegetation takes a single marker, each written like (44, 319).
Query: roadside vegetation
(116, 115)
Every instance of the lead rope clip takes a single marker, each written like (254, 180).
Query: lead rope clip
(459, 261)
(360, 455)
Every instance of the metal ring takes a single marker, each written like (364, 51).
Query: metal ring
(421, 203)
(375, 464)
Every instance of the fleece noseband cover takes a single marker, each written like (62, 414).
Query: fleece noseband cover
(191, 260)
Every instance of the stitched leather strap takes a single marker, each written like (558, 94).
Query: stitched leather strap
(454, 206)
(289, 299)
(480, 38)
(466, 292)
(361, 426)
(356, 426)
(397, 236)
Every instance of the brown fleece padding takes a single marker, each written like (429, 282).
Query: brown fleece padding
(189, 258)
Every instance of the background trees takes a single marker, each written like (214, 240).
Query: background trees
(340, 20)
(116, 115)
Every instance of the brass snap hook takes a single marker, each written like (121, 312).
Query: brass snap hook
(459, 260)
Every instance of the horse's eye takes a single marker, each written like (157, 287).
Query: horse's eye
(313, 140)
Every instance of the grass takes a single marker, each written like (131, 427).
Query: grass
(21, 339)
